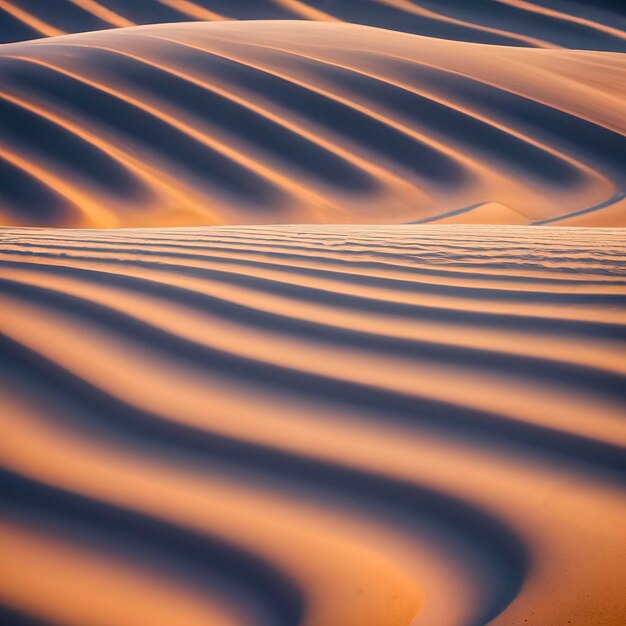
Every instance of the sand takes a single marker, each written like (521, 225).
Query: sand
(385, 425)
(312, 313)
(238, 122)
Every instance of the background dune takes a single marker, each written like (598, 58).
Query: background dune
(303, 122)
(593, 25)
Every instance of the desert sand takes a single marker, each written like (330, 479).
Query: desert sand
(312, 313)
(389, 418)
(305, 122)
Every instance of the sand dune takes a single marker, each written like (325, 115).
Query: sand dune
(353, 374)
(320, 425)
(528, 23)
(304, 122)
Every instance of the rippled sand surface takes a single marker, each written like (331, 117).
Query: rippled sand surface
(319, 425)
(312, 313)
(233, 122)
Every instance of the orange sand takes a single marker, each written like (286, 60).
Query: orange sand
(411, 424)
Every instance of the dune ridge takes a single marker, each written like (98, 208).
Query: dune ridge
(373, 420)
(540, 24)
(304, 122)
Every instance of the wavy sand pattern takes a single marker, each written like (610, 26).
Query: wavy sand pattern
(352, 374)
(597, 25)
(306, 122)
(450, 426)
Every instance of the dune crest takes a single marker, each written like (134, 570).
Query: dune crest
(482, 213)
(302, 122)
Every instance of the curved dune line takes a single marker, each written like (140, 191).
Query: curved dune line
(455, 153)
(194, 10)
(269, 527)
(461, 57)
(567, 17)
(279, 77)
(399, 376)
(368, 112)
(44, 571)
(572, 67)
(610, 209)
(334, 148)
(343, 463)
(404, 129)
(104, 13)
(300, 190)
(31, 20)
(90, 208)
(607, 214)
(84, 473)
(320, 435)
(367, 293)
(585, 353)
(468, 160)
(327, 94)
(336, 425)
(46, 449)
(361, 377)
(194, 391)
(157, 180)
(302, 9)
(414, 7)
(598, 115)
(306, 192)
(225, 150)
(465, 110)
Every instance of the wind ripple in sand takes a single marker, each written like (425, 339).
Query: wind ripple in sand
(303, 122)
(314, 425)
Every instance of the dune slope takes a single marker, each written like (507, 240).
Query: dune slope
(320, 425)
(304, 122)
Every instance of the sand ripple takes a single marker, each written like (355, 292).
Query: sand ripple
(318, 425)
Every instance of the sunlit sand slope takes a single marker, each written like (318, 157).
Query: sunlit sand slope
(583, 24)
(320, 425)
(268, 122)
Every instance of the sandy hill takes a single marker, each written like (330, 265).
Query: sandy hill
(294, 121)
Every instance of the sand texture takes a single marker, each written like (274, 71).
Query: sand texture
(238, 122)
(312, 313)
(335, 424)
